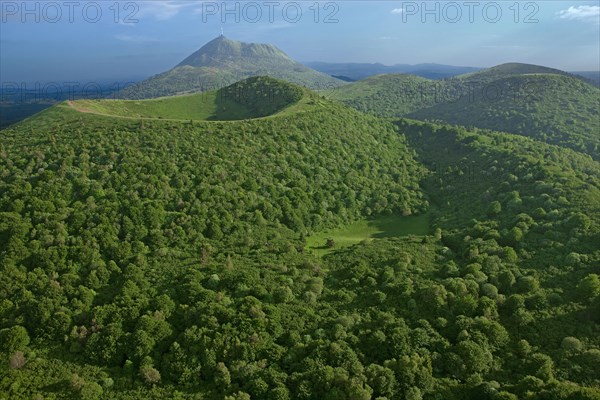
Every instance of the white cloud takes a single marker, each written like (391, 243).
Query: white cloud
(506, 47)
(135, 39)
(581, 13)
(162, 9)
(397, 11)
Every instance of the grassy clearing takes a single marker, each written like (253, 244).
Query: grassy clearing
(380, 227)
(200, 106)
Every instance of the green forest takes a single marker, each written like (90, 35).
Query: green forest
(173, 257)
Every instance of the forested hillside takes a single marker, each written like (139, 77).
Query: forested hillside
(389, 95)
(543, 103)
(552, 108)
(125, 243)
(147, 258)
(508, 70)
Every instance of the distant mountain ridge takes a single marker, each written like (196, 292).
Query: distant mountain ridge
(358, 71)
(222, 62)
(593, 76)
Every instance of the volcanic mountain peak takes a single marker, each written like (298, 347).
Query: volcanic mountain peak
(223, 61)
(224, 50)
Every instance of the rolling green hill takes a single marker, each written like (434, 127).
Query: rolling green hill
(149, 258)
(509, 70)
(538, 102)
(222, 62)
(556, 109)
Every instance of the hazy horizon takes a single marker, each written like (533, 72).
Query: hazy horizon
(139, 39)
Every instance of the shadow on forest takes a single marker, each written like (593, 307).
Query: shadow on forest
(397, 226)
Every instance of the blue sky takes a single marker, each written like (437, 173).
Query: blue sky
(74, 42)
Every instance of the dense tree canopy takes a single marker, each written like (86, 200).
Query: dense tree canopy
(163, 259)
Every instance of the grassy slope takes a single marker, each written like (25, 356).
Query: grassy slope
(201, 106)
(251, 98)
(375, 228)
